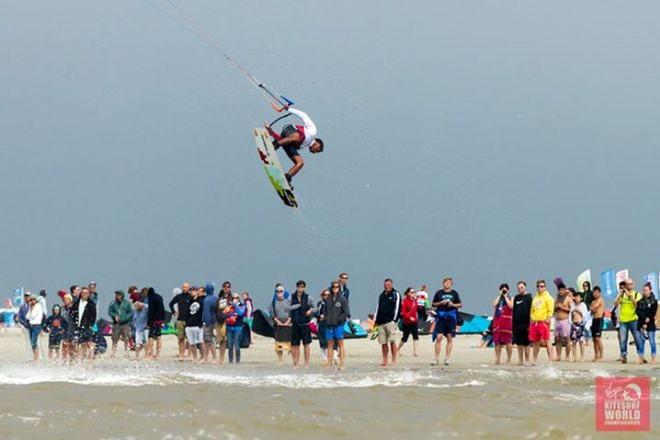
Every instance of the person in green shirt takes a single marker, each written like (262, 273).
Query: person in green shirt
(121, 315)
(627, 299)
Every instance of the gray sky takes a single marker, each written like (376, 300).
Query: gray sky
(492, 141)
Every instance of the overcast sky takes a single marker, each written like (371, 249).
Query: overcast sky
(493, 141)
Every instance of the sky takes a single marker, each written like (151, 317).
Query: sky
(491, 141)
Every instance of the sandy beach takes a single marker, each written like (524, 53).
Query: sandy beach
(364, 353)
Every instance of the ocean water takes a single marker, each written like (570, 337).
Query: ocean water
(126, 400)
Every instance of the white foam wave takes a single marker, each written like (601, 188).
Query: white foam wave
(326, 380)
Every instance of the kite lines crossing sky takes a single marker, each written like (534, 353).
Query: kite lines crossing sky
(167, 7)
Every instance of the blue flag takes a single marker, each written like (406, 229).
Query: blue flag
(608, 283)
(653, 279)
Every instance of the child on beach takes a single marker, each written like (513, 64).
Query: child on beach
(577, 334)
(140, 314)
(56, 327)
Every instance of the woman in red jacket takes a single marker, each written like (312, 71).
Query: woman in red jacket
(409, 317)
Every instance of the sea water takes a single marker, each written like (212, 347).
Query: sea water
(129, 400)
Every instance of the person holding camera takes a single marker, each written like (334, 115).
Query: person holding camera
(627, 300)
(503, 324)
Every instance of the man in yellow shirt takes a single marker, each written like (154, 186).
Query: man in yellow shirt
(543, 306)
(627, 299)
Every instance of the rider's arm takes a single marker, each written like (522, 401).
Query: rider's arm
(275, 136)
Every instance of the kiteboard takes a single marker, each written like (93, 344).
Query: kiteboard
(273, 168)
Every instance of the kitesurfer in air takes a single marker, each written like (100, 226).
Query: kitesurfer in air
(294, 138)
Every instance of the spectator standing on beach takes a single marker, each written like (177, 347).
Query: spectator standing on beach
(194, 326)
(226, 292)
(503, 324)
(42, 300)
(446, 302)
(280, 311)
(249, 308)
(156, 318)
(56, 328)
(209, 321)
(74, 290)
(585, 326)
(140, 324)
(578, 324)
(410, 319)
(83, 317)
(121, 315)
(627, 300)
(587, 298)
(388, 312)
(67, 339)
(647, 308)
(320, 323)
(422, 303)
(93, 294)
(597, 309)
(522, 305)
(563, 305)
(221, 308)
(336, 312)
(179, 306)
(343, 284)
(543, 307)
(234, 322)
(301, 315)
(35, 316)
(21, 316)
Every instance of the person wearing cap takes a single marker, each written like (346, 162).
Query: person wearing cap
(93, 294)
(301, 315)
(280, 312)
(121, 315)
(56, 328)
(35, 316)
(21, 317)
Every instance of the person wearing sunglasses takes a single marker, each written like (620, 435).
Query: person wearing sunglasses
(343, 284)
(280, 311)
(336, 313)
(543, 307)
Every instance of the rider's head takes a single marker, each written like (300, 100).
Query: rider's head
(317, 146)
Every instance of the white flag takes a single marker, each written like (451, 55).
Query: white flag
(582, 278)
